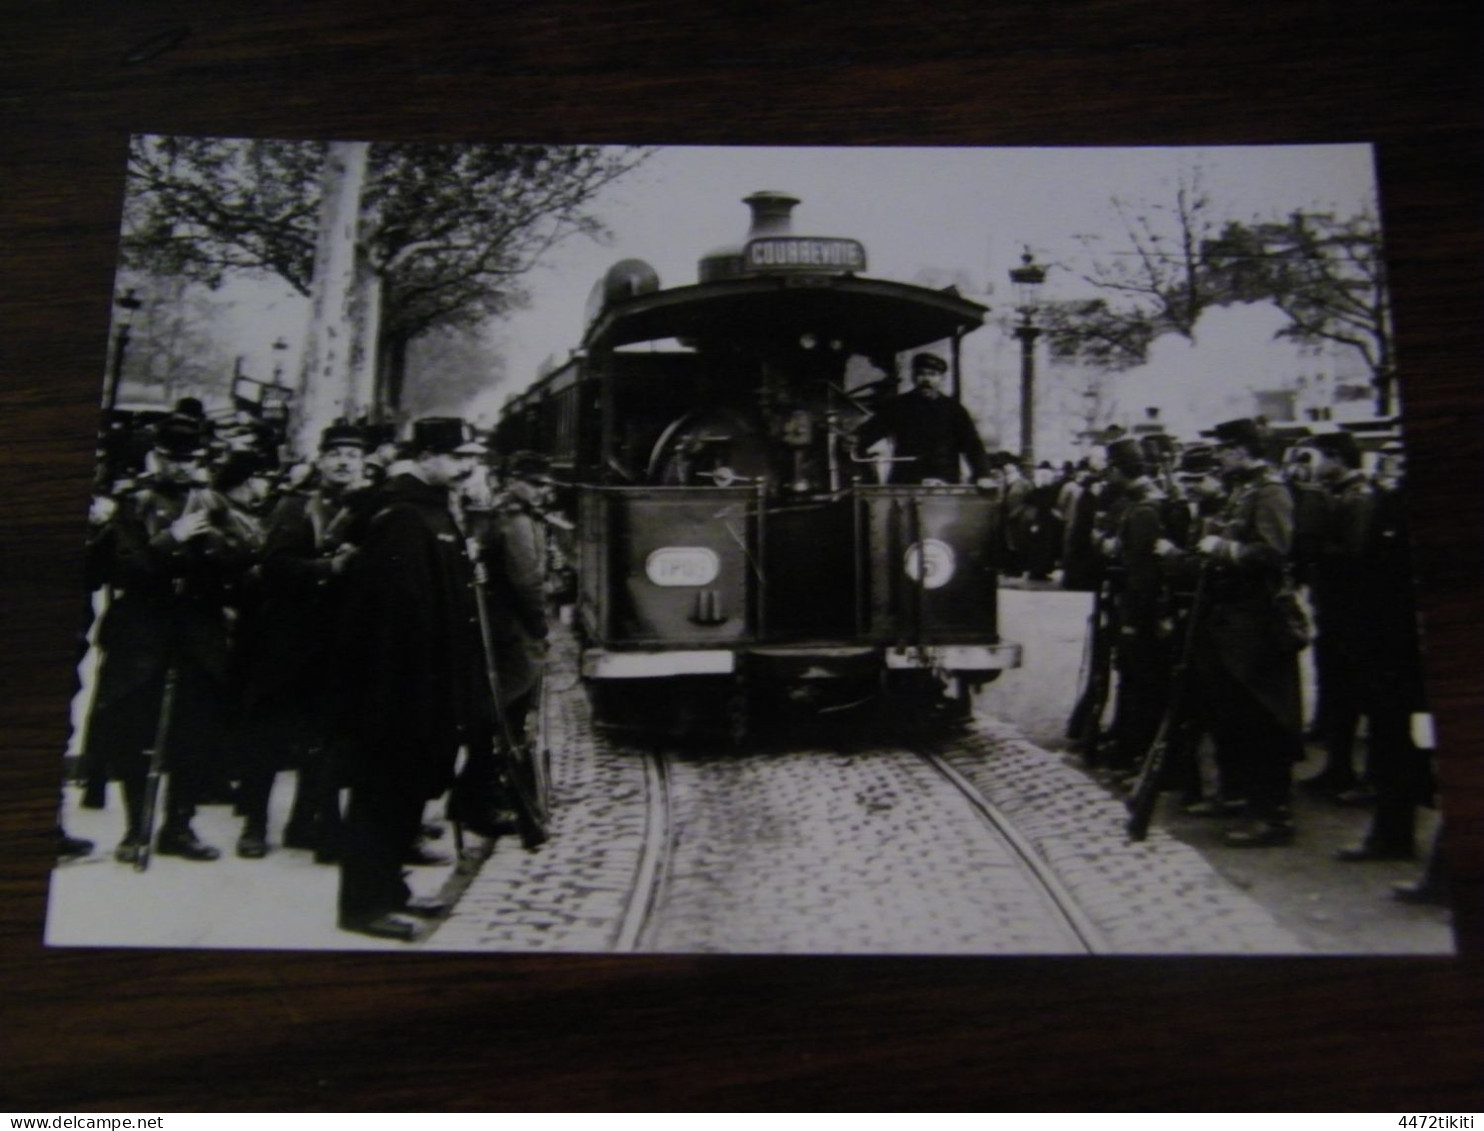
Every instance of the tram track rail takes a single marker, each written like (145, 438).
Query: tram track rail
(642, 926)
(1060, 897)
(655, 854)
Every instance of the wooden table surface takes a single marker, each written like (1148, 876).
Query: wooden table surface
(158, 1030)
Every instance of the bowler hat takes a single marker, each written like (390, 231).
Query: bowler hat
(1244, 433)
(929, 363)
(445, 435)
(1127, 455)
(179, 436)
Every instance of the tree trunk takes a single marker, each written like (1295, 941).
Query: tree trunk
(366, 357)
(393, 375)
(325, 380)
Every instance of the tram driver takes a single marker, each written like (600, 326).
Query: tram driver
(931, 433)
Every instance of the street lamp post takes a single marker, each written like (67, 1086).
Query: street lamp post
(128, 304)
(1026, 281)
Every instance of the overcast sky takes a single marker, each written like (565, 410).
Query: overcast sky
(967, 210)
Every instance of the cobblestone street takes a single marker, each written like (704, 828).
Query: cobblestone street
(861, 851)
(857, 850)
(860, 845)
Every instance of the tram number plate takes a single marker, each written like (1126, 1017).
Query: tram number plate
(682, 565)
(930, 562)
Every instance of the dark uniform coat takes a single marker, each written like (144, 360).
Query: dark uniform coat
(1142, 653)
(289, 647)
(408, 645)
(515, 555)
(405, 681)
(930, 430)
(1247, 675)
(169, 604)
(1242, 632)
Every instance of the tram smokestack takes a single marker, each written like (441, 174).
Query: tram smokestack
(772, 213)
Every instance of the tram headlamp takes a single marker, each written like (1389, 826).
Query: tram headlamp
(808, 341)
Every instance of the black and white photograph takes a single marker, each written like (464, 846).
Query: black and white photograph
(513, 547)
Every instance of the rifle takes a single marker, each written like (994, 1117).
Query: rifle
(151, 801)
(520, 765)
(1145, 791)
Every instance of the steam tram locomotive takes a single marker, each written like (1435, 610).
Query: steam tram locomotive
(736, 558)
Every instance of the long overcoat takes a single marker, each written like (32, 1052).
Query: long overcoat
(1241, 633)
(515, 553)
(288, 649)
(407, 659)
(169, 605)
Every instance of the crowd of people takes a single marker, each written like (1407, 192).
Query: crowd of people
(321, 618)
(1216, 566)
(366, 616)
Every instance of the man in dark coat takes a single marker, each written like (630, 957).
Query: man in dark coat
(306, 553)
(930, 431)
(1326, 468)
(173, 553)
(510, 533)
(1380, 655)
(408, 672)
(1246, 672)
(1142, 653)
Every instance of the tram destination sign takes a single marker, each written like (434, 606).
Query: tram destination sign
(804, 253)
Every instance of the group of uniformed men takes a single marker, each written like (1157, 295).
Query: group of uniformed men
(330, 626)
(333, 628)
(1207, 561)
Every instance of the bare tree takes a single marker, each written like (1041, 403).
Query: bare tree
(1159, 276)
(1328, 275)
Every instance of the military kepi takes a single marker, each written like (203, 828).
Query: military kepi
(180, 436)
(1245, 433)
(342, 436)
(445, 435)
(929, 363)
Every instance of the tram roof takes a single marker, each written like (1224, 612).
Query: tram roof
(874, 316)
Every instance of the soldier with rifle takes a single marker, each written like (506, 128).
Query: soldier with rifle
(498, 791)
(1141, 650)
(172, 554)
(1245, 650)
(1084, 727)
